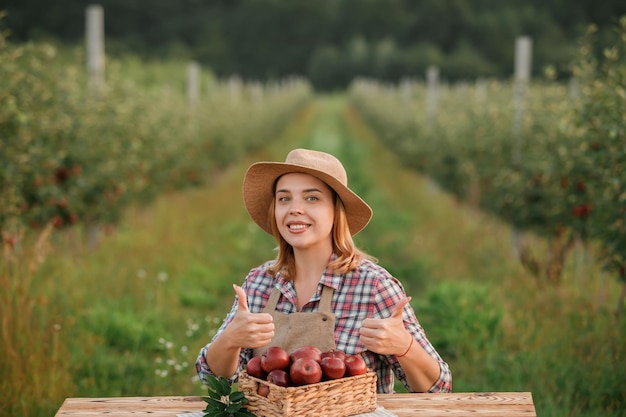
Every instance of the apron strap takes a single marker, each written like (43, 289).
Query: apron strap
(326, 298)
(273, 300)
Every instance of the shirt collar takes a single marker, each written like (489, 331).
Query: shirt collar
(329, 278)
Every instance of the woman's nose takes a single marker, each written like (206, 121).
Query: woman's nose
(296, 208)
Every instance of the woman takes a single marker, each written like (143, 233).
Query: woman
(320, 290)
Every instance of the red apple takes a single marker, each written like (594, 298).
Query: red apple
(254, 368)
(333, 367)
(274, 357)
(305, 371)
(310, 352)
(279, 377)
(334, 353)
(264, 390)
(355, 365)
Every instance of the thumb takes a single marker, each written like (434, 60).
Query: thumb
(242, 303)
(397, 312)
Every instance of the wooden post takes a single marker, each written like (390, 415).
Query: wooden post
(523, 55)
(193, 82)
(95, 46)
(94, 40)
(523, 65)
(432, 80)
(574, 88)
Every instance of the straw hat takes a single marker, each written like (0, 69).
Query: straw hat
(258, 186)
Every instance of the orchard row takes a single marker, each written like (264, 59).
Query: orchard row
(549, 158)
(71, 155)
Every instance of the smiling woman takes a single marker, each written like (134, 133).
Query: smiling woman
(303, 214)
(321, 290)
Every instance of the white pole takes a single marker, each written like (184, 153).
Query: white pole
(523, 65)
(95, 46)
(574, 88)
(432, 79)
(193, 82)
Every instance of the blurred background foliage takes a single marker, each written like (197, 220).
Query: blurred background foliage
(559, 174)
(329, 41)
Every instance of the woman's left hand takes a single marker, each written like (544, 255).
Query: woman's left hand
(387, 336)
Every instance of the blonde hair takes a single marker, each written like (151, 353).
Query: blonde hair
(349, 257)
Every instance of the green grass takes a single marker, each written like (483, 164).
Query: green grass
(128, 317)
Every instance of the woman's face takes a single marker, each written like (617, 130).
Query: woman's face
(304, 210)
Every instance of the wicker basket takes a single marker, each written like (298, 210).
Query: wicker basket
(337, 398)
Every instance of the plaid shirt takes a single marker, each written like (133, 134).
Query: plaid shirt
(368, 291)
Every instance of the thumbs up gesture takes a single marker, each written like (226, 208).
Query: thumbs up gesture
(387, 336)
(249, 330)
(242, 299)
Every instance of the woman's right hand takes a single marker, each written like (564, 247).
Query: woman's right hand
(248, 330)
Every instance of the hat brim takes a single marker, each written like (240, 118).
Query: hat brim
(258, 194)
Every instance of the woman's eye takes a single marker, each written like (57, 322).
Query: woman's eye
(312, 198)
(282, 199)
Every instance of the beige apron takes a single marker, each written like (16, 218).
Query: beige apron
(295, 330)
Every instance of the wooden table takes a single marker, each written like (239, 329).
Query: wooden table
(479, 404)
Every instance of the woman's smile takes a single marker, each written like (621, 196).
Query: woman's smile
(298, 227)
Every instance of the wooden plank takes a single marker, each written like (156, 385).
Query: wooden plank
(131, 406)
(488, 404)
(513, 404)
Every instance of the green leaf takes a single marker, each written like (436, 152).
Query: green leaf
(215, 413)
(220, 385)
(213, 383)
(243, 413)
(232, 408)
(219, 390)
(213, 402)
(214, 395)
(237, 396)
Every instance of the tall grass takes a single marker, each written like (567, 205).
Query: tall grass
(33, 352)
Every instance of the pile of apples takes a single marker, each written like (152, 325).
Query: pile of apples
(305, 365)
